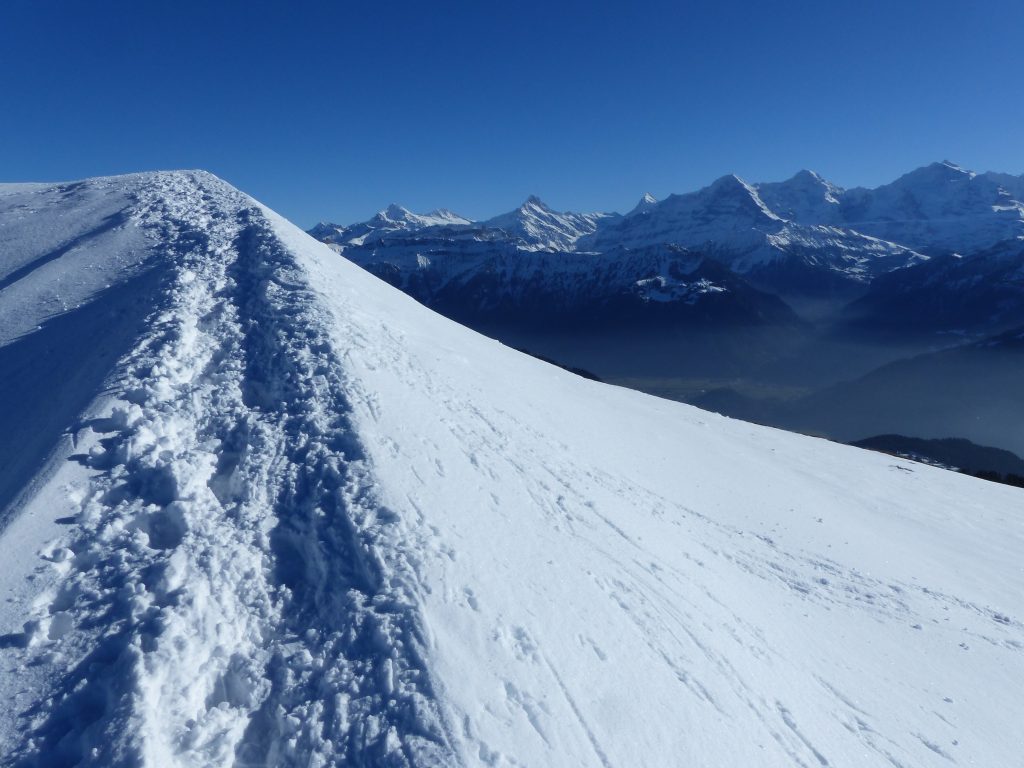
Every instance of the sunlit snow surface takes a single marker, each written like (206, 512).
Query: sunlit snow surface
(297, 519)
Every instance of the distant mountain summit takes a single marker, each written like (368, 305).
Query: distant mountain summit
(731, 222)
(806, 198)
(647, 202)
(394, 218)
(805, 239)
(536, 227)
(939, 208)
(533, 226)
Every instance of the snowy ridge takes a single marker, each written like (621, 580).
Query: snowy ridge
(806, 197)
(394, 218)
(536, 258)
(936, 209)
(731, 221)
(783, 230)
(535, 227)
(233, 485)
(647, 202)
(309, 522)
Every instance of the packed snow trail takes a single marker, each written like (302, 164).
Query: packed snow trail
(226, 598)
(307, 522)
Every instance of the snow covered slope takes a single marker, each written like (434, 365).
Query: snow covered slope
(302, 520)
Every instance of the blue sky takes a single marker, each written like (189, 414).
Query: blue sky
(331, 110)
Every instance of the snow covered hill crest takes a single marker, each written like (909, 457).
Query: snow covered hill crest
(281, 514)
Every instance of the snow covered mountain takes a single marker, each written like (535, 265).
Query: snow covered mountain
(807, 240)
(936, 209)
(647, 202)
(394, 218)
(533, 226)
(281, 514)
(940, 208)
(805, 198)
(583, 259)
(730, 221)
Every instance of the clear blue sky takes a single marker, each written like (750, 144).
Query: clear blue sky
(334, 109)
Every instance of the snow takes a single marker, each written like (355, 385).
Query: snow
(647, 202)
(536, 227)
(938, 208)
(665, 288)
(404, 218)
(759, 230)
(806, 198)
(731, 221)
(806, 221)
(302, 520)
(392, 219)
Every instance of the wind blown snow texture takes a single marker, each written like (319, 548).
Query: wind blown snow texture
(302, 520)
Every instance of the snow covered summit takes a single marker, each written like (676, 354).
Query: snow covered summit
(274, 512)
(392, 219)
(536, 227)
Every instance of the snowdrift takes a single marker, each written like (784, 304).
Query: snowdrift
(260, 508)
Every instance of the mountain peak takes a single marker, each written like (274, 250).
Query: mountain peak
(534, 202)
(738, 193)
(807, 176)
(395, 212)
(647, 202)
(730, 180)
(801, 194)
(951, 170)
(536, 226)
(937, 172)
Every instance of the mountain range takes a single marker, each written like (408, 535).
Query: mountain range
(802, 238)
(778, 288)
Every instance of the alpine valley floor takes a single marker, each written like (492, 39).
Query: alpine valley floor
(262, 509)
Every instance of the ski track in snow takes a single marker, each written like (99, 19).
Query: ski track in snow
(674, 604)
(322, 526)
(658, 597)
(250, 616)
